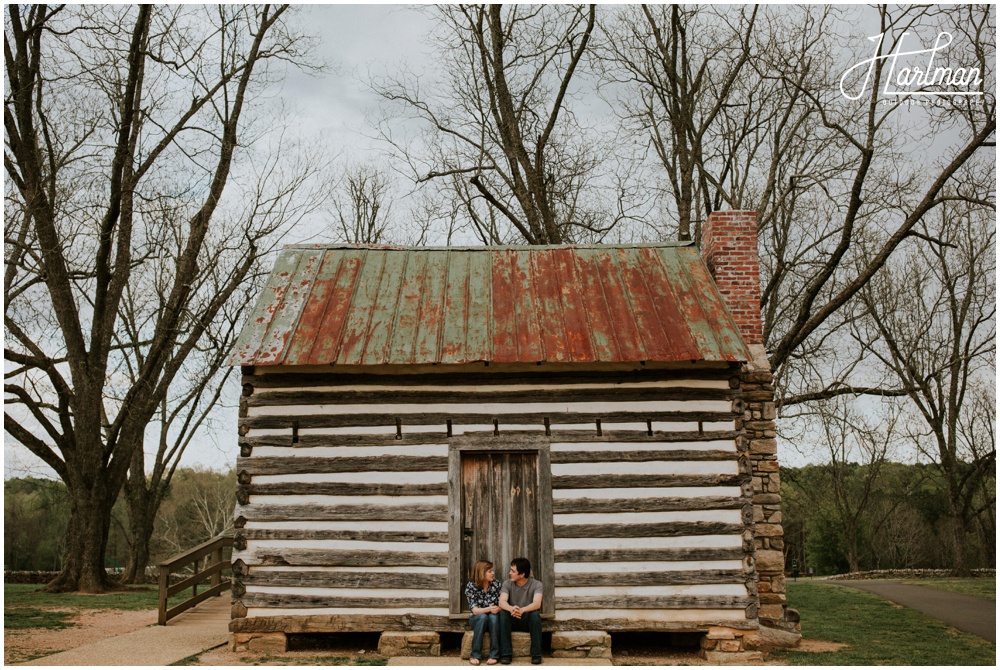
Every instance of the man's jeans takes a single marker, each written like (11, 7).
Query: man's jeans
(530, 621)
(480, 623)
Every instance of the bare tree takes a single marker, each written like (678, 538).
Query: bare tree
(122, 129)
(931, 320)
(857, 444)
(361, 204)
(503, 134)
(736, 103)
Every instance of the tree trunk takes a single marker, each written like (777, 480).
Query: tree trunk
(86, 540)
(141, 517)
(852, 551)
(959, 563)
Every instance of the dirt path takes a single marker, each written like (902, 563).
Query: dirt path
(89, 626)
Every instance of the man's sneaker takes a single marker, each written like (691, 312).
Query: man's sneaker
(536, 660)
(504, 661)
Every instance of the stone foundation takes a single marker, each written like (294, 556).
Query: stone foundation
(757, 385)
(730, 646)
(274, 643)
(406, 643)
(520, 640)
(581, 644)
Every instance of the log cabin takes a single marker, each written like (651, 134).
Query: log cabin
(605, 411)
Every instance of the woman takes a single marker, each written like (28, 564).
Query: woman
(483, 593)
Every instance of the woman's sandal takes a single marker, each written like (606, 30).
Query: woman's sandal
(473, 661)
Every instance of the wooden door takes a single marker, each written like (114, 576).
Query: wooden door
(500, 511)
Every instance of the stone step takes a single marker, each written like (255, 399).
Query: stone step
(520, 640)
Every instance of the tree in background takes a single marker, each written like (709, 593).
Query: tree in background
(35, 512)
(123, 126)
(198, 506)
(931, 321)
(858, 445)
(504, 138)
(737, 105)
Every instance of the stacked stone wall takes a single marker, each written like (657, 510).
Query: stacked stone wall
(758, 421)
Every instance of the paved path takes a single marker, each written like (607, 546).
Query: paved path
(966, 613)
(200, 629)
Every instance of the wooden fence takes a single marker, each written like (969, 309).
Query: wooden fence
(209, 562)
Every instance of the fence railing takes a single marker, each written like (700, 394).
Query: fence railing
(208, 562)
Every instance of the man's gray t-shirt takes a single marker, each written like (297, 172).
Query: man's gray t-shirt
(521, 596)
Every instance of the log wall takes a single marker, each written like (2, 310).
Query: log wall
(342, 521)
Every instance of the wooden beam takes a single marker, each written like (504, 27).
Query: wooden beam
(296, 379)
(288, 600)
(336, 557)
(653, 602)
(634, 505)
(404, 512)
(639, 455)
(661, 578)
(354, 579)
(347, 489)
(668, 529)
(305, 396)
(361, 440)
(360, 535)
(645, 555)
(506, 420)
(642, 481)
(296, 465)
(356, 623)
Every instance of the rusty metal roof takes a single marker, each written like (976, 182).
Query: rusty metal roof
(365, 305)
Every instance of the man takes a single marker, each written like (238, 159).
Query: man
(520, 609)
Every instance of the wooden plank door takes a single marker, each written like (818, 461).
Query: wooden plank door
(500, 511)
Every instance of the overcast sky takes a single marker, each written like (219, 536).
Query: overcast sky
(353, 40)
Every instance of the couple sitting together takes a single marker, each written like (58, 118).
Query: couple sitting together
(516, 605)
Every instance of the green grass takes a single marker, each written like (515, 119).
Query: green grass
(980, 587)
(189, 660)
(15, 618)
(28, 595)
(877, 632)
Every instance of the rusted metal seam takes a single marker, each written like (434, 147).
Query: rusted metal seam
(533, 291)
(439, 343)
(607, 304)
(259, 345)
(468, 309)
(420, 311)
(341, 258)
(578, 282)
(395, 308)
(305, 299)
(652, 302)
(725, 308)
(492, 354)
(668, 286)
(350, 306)
(562, 305)
(690, 281)
(631, 307)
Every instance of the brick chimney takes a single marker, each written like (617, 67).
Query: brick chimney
(729, 247)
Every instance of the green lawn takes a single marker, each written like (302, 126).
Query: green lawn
(877, 632)
(28, 595)
(980, 587)
(24, 606)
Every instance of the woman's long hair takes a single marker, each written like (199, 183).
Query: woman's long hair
(479, 571)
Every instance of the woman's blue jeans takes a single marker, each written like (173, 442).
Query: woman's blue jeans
(482, 623)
